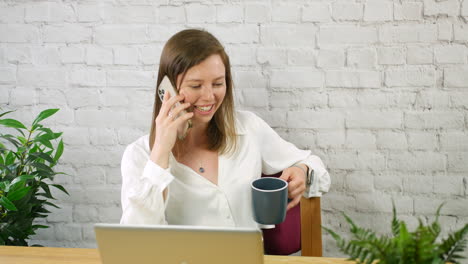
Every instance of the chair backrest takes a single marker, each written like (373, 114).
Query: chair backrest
(311, 227)
(302, 230)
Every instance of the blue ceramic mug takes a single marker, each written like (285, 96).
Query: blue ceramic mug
(269, 200)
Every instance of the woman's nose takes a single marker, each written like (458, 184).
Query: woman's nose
(207, 93)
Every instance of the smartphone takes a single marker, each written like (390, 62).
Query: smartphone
(167, 86)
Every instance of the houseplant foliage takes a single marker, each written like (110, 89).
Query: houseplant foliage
(26, 176)
(419, 246)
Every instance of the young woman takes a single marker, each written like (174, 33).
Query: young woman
(204, 179)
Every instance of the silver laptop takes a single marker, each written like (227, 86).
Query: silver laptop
(178, 244)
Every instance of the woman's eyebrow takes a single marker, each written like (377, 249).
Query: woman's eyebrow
(193, 80)
(200, 80)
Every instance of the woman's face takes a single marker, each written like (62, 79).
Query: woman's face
(204, 87)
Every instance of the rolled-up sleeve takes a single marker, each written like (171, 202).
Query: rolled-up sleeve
(143, 183)
(278, 154)
(320, 182)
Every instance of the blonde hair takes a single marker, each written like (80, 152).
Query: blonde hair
(182, 51)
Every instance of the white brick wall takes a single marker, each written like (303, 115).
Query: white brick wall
(378, 89)
(408, 11)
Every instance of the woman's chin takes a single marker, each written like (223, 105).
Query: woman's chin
(201, 120)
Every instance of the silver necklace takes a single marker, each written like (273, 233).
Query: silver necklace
(200, 168)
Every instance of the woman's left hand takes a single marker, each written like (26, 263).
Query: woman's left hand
(296, 179)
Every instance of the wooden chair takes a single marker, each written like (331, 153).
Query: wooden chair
(302, 230)
(311, 227)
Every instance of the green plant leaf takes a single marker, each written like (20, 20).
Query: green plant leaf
(2, 114)
(22, 178)
(44, 142)
(23, 140)
(21, 150)
(51, 204)
(46, 130)
(44, 175)
(395, 223)
(10, 158)
(59, 151)
(15, 185)
(38, 215)
(34, 148)
(18, 194)
(438, 212)
(43, 115)
(454, 244)
(7, 171)
(12, 123)
(20, 131)
(39, 226)
(46, 189)
(11, 139)
(332, 233)
(43, 210)
(42, 167)
(48, 137)
(3, 186)
(5, 202)
(43, 156)
(60, 187)
(405, 247)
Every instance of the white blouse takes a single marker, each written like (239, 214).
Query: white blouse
(194, 200)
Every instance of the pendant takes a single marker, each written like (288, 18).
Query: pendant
(201, 169)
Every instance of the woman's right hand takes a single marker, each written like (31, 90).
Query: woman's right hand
(167, 123)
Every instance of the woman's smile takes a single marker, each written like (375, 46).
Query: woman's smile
(204, 110)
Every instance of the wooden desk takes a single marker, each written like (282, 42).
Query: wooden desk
(48, 255)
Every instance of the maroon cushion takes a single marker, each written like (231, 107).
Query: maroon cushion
(285, 238)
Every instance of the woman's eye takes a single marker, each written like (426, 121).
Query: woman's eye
(218, 84)
(195, 86)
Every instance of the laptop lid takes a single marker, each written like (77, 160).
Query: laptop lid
(173, 244)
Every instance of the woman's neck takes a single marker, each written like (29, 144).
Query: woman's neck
(197, 137)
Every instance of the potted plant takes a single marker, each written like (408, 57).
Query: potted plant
(26, 176)
(403, 246)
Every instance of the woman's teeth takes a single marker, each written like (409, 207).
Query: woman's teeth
(204, 108)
